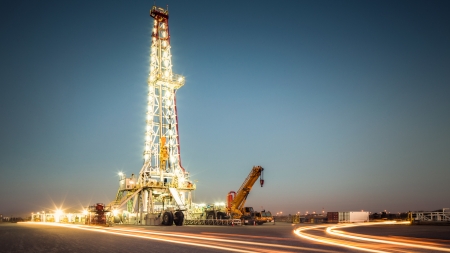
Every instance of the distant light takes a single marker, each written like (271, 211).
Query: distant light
(120, 174)
(58, 213)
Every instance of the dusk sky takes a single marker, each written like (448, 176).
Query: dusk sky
(346, 104)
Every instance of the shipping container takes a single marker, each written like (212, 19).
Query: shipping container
(359, 216)
(345, 217)
(333, 217)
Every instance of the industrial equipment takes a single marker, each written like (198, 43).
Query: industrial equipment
(264, 216)
(97, 215)
(161, 192)
(236, 200)
(438, 217)
(233, 212)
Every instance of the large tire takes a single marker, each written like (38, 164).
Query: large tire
(167, 219)
(179, 218)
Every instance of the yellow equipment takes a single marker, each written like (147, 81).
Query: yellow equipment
(236, 200)
(164, 154)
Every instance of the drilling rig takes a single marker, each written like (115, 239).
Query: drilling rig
(161, 192)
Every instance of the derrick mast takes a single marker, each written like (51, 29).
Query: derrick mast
(161, 133)
(162, 187)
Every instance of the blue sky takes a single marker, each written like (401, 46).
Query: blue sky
(344, 103)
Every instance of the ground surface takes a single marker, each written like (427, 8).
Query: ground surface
(29, 237)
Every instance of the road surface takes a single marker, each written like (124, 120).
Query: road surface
(281, 237)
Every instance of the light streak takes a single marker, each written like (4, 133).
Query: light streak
(377, 241)
(192, 240)
(330, 241)
(396, 242)
(250, 236)
(103, 230)
(220, 240)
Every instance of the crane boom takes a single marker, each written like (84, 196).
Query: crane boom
(235, 208)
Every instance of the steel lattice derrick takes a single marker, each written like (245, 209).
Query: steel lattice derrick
(162, 184)
(161, 118)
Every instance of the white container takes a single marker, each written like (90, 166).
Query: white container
(353, 217)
